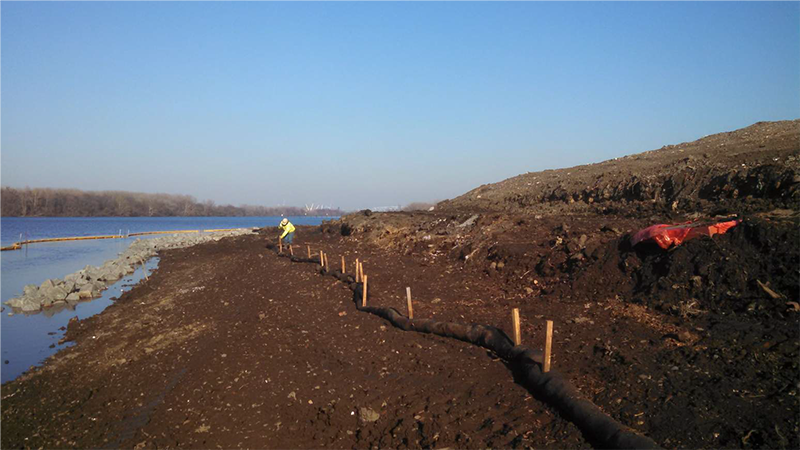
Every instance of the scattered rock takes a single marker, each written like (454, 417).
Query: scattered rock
(469, 221)
(30, 289)
(368, 415)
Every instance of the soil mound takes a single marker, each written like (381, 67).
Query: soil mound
(756, 168)
(748, 269)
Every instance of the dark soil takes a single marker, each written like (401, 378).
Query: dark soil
(684, 345)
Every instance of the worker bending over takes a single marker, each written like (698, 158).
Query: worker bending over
(288, 231)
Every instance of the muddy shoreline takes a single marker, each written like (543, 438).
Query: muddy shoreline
(91, 281)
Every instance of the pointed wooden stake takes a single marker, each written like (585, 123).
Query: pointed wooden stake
(327, 263)
(410, 308)
(343, 266)
(515, 322)
(357, 273)
(280, 245)
(321, 259)
(308, 247)
(364, 297)
(291, 250)
(548, 343)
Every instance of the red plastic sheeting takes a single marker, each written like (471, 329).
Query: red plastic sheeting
(668, 235)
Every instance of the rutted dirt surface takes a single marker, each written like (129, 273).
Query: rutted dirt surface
(695, 347)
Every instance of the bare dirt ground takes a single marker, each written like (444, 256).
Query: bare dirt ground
(695, 347)
(228, 345)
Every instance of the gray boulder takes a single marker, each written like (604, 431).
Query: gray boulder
(87, 291)
(72, 277)
(46, 296)
(30, 289)
(15, 302)
(30, 305)
(69, 286)
(57, 293)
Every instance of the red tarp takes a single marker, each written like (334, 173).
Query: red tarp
(668, 235)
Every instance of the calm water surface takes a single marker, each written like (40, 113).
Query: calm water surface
(25, 339)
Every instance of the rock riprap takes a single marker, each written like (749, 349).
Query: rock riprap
(91, 281)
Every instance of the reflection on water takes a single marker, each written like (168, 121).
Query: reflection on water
(28, 339)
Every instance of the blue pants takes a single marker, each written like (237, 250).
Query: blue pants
(288, 238)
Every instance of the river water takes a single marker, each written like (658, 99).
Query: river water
(28, 339)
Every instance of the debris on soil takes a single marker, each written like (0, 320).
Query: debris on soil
(666, 236)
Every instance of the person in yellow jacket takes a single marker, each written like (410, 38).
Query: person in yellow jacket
(288, 231)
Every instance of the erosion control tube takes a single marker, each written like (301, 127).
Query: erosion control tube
(551, 387)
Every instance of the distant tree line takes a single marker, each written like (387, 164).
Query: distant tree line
(46, 202)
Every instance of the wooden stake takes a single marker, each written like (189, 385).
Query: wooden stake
(364, 298)
(410, 308)
(515, 322)
(361, 270)
(327, 263)
(357, 273)
(343, 266)
(308, 247)
(144, 269)
(291, 250)
(280, 244)
(321, 259)
(548, 343)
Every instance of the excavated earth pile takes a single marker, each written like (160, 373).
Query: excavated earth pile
(752, 169)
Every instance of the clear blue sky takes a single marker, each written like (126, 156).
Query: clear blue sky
(371, 104)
